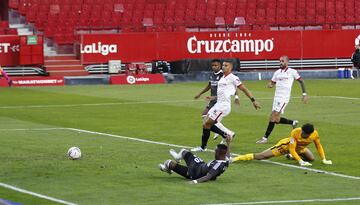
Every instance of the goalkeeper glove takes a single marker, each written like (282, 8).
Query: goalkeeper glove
(304, 164)
(324, 161)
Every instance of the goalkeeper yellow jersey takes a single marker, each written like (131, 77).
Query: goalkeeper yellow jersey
(298, 144)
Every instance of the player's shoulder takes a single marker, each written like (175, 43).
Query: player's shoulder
(292, 70)
(296, 132)
(315, 133)
(277, 71)
(220, 163)
(233, 76)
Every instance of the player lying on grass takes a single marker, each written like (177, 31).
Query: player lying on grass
(196, 169)
(296, 145)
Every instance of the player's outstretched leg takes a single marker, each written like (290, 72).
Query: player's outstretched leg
(293, 123)
(258, 156)
(221, 127)
(245, 157)
(274, 118)
(205, 135)
(178, 155)
(165, 167)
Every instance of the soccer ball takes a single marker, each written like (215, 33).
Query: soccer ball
(74, 153)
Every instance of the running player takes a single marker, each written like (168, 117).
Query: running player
(283, 78)
(212, 86)
(227, 86)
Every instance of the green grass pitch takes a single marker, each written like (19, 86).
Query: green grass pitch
(123, 171)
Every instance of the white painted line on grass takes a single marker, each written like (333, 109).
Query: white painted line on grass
(128, 138)
(178, 146)
(94, 104)
(291, 201)
(312, 170)
(144, 102)
(7, 186)
(182, 146)
(34, 129)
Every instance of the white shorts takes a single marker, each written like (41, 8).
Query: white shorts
(279, 105)
(218, 111)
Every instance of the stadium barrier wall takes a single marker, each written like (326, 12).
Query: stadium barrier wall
(9, 50)
(34, 81)
(18, 50)
(251, 45)
(137, 79)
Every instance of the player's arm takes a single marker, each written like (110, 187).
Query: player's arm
(292, 150)
(271, 84)
(305, 98)
(256, 104)
(205, 178)
(207, 88)
(236, 98)
(321, 151)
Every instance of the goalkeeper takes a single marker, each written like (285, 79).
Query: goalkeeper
(294, 146)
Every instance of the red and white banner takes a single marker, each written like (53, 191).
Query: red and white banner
(34, 81)
(247, 45)
(9, 50)
(137, 79)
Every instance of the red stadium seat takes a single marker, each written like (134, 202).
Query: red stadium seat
(177, 15)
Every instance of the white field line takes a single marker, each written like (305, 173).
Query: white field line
(182, 146)
(145, 102)
(7, 186)
(171, 145)
(291, 201)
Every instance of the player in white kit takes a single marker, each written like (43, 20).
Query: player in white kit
(283, 78)
(227, 86)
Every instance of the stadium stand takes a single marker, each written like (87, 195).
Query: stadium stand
(5, 30)
(64, 20)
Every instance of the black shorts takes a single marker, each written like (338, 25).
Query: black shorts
(195, 166)
(211, 104)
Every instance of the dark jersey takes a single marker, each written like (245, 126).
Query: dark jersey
(355, 58)
(213, 81)
(215, 168)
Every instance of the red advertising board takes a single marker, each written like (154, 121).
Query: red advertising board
(250, 45)
(137, 79)
(9, 50)
(35, 81)
(15, 53)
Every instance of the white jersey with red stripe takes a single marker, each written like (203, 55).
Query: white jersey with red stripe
(227, 86)
(284, 78)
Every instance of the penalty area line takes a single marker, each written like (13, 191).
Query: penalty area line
(290, 201)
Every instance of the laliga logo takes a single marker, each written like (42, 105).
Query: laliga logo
(357, 41)
(103, 49)
(130, 79)
(229, 45)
